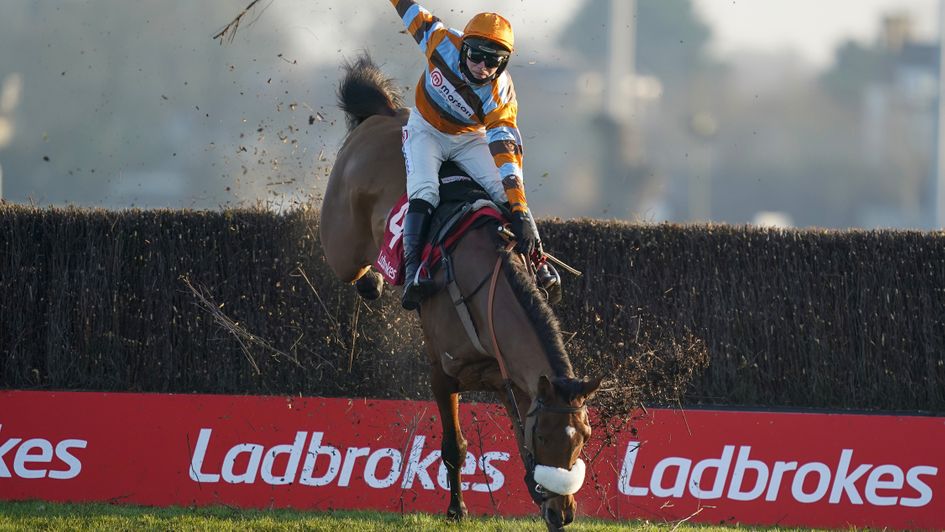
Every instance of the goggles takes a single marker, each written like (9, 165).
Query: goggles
(479, 56)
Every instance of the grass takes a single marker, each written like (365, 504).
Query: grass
(35, 515)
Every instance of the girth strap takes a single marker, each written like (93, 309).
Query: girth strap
(460, 303)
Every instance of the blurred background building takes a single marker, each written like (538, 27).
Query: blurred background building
(631, 109)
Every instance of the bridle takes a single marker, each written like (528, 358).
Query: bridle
(538, 493)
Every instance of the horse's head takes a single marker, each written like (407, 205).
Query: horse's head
(556, 429)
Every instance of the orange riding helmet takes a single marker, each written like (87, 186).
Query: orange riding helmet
(492, 27)
(487, 34)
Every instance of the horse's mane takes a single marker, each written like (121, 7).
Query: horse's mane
(366, 91)
(542, 317)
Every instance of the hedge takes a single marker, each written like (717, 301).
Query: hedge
(241, 301)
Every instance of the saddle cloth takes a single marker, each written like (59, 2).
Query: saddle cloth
(451, 220)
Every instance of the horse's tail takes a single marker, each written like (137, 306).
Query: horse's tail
(365, 91)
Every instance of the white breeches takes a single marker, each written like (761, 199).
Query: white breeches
(425, 148)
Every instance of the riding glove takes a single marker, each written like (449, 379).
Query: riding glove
(526, 233)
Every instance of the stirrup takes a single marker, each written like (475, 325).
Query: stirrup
(549, 283)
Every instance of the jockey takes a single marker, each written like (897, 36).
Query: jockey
(465, 112)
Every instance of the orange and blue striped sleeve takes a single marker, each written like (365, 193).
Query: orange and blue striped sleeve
(420, 23)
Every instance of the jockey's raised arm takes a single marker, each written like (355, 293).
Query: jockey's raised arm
(420, 23)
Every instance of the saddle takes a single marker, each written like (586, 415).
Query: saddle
(464, 205)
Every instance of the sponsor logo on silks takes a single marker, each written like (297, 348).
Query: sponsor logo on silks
(449, 95)
(748, 480)
(320, 464)
(32, 458)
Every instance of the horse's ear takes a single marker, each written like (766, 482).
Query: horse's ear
(546, 390)
(589, 387)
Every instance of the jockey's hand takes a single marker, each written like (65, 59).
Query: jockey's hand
(526, 233)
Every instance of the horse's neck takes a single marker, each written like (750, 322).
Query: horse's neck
(518, 330)
(525, 371)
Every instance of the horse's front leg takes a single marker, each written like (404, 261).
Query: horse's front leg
(446, 393)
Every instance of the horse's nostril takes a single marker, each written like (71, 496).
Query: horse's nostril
(568, 516)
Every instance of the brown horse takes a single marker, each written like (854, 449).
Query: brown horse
(544, 399)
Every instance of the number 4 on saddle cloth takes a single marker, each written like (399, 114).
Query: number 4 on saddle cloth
(463, 205)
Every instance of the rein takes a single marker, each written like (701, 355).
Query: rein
(495, 340)
(498, 352)
(530, 465)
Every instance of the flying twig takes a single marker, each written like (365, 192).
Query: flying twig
(228, 33)
(478, 426)
(243, 337)
(354, 333)
(328, 314)
(412, 427)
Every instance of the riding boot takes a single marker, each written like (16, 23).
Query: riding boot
(416, 222)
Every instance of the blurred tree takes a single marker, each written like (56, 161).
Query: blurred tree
(878, 86)
(856, 66)
(670, 44)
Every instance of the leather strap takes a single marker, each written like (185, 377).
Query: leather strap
(495, 341)
(520, 424)
(465, 318)
(459, 302)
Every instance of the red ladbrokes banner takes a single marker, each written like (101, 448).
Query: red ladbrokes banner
(786, 469)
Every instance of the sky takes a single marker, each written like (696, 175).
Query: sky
(811, 28)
